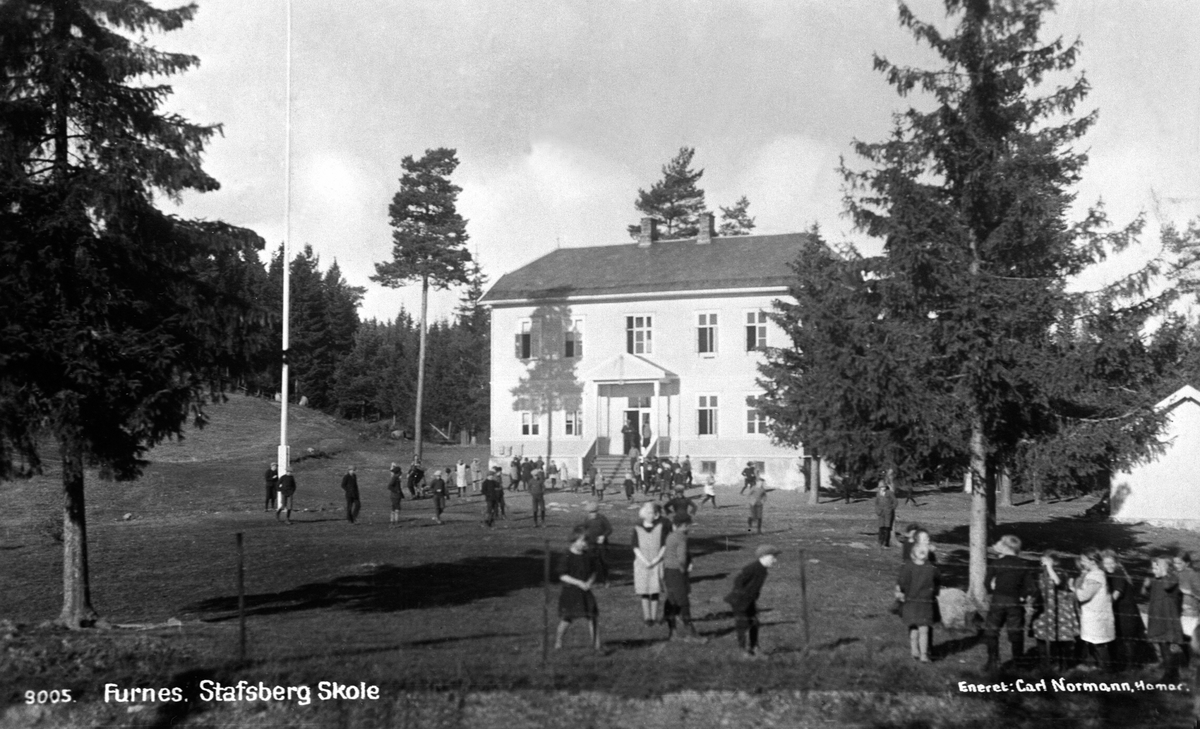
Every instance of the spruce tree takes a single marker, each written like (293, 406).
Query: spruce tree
(120, 320)
(971, 198)
(429, 243)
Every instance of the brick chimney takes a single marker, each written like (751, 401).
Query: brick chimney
(707, 231)
(648, 233)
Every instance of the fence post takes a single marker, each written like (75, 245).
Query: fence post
(804, 597)
(546, 603)
(241, 588)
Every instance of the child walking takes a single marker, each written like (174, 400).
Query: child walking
(743, 599)
(916, 590)
(577, 575)
(710, 490)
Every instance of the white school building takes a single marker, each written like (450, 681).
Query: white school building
(1165, 490)
(664, 337)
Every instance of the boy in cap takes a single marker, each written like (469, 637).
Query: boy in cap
(677, 565)
(492, 493)
(743, 599)
(1010, 580)
(271, 483)
(287, 490)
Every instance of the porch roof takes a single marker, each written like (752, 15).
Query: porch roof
(629, 368)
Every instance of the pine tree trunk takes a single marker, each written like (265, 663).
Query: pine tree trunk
(417, 432)
(814, 481)
(979, 510)
(990, 490)
(77, 611)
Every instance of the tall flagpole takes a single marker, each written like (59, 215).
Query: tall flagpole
(284, 454)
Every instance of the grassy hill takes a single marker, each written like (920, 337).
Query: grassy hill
(247, 428)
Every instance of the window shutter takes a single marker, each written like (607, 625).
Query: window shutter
(518, 346)
(535, 339)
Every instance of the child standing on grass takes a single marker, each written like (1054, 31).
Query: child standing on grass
(537, 494)
(1131, 631)
(1189, 610)
(885, 512)
(460, 477)
(648, 541)
(758, 496)
(743, 599)
(493, 492)
(1097, 624)
(1011, 582)
(395, 487)
(1162, 626)
(916, 589)
(440, 492)
(677, 565)
(1057, 623)
(578, 575)
(350, 487)
(287, 491)
(906, 541)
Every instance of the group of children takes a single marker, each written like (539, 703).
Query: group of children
(1096, 609)
(661, 568)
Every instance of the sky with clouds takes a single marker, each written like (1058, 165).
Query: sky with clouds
(561, 109)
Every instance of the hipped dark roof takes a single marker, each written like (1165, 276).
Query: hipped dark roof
(666, 265)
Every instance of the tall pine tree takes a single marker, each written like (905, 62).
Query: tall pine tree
(675, 200)
(120, 320)
(429, 240)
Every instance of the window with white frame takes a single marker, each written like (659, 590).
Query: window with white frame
(638, 334)
(706, 415)
(707, 467)
(756, 330)
(573, 339)
(529, 423)
(529, 339)
(706, 334)
(756, 422)
(574, 422)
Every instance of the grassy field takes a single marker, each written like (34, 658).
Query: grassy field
(448, 620)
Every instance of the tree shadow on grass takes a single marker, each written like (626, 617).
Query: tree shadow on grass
(388, 588)
(954, 646)
(1069, 535)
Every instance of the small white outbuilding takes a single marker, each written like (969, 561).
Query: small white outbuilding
(1166, 491)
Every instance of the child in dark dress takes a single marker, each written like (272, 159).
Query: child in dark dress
(577, 600)
(916, 590)
(1131, 631)
(1162, 626)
